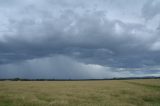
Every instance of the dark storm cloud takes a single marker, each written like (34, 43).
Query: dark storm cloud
(108, 33)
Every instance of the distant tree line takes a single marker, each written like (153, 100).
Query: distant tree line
(118, 78)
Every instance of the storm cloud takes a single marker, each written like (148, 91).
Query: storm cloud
(79, 39)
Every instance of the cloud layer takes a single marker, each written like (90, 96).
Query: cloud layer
(79, 39)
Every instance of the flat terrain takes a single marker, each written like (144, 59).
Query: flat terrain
(81, 93)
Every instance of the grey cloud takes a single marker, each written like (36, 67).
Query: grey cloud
(86, 34)
(151, 9)
(63, 67)
(54, 67)
(80, 30)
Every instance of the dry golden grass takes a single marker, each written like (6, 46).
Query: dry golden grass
(80, 93)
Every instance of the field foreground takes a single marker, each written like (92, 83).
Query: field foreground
(81, 93)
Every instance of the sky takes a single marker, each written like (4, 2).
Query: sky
(79, 39)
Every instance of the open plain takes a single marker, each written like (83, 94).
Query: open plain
(144, 92)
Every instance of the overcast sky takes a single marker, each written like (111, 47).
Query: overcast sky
(79, 38)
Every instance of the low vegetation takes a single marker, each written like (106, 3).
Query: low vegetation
(80, 93)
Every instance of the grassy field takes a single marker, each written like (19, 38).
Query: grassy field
(80, 93)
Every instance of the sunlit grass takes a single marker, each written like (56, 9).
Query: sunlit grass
(80, 93)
